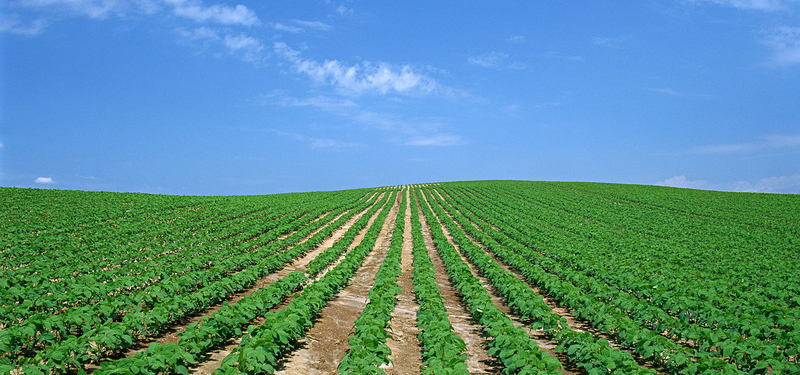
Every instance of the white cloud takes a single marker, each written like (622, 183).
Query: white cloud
(765, 5)
(319, 101)
(13, 24)
(516, 39)
(287, 28)
(558, 55)
(683, 182)
(43, 180)
(366, 77)
(313, 25)
(780, 184)
(242, 41)
(99, 9)
(768, 142)
(223, 14)
(666, 91)
(343, 10)
(610, 42)
(488, 60)
(318, 143)
(1, 145)
(200, 33)
(436, 140)
(785, 44)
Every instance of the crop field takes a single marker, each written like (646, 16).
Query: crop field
(486, 277)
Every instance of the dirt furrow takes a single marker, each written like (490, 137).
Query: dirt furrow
(215, 357)
(356, 240)
(545, 344)
(405, 345)
(576, 324)
(478, 360)
(326, 342)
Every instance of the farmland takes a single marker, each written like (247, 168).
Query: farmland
(506, 277)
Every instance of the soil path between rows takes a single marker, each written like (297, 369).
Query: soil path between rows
(326, 342)
(172, 334)
(576, 324)
(545, 344)
(406, 350)
(214, 358)
(478, 359)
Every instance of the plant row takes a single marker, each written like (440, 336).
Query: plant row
(368, 349)
(264, 345)
(511, 345)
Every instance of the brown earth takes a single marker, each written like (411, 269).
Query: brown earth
(545, 344)
(215, 357)
(576, 324)
(478, 359)
(326, 342)
(405, 345)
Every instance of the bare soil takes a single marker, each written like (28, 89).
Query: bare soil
(478, 359)
(545, 344)
(326, 342)
(215, 358)
(406, 355)
(576, 324)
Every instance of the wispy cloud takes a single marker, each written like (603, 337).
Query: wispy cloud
(763, 5)
(559, 55)
(43, 180)
(319, 101)
(409, 132)
(436, 140)
(488, 60)
(242, 41)
(343, 10)
(776, 184)
(516, 39)
(248, 48)
(399, 129)
(98, 9)
(318, 143)
(496, 60)
(200, 33)
(223, 14)
(667, 91)
(615, 42)
(768, 142)
(785, 44)
(286, 28)
(13, 24)
(313, 25)
(365, 78)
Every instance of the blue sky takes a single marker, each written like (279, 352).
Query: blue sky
(216, 97)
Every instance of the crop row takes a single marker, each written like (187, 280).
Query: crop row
(264, 345)
(634, 322)
(110, 337)
(368, 349)
(511, 345)
(593, 354)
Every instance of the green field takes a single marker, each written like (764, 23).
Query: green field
(613, 279)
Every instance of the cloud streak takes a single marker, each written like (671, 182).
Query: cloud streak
(776, 184)
(13, 24)
(785, 44)
(43, 180)
(763, 5)
(222, 14)
(488, 60)
(365, 78)
(768, 142)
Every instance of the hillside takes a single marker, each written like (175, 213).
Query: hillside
(460, 277)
